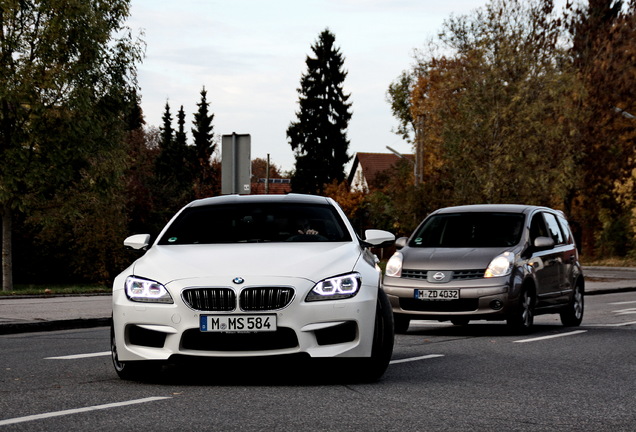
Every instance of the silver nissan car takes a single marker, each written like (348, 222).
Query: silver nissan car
(487, 262)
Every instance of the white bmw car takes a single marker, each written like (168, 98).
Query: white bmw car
(253, 276)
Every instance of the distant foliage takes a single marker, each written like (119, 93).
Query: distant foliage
(520, 103)
(67, 85)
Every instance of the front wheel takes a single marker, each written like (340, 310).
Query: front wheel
(135, 370)
(383, 338)
(401, 323)
(522, 318)
(572, 315)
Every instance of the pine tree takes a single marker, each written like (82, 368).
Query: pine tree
(180, 138)
(173, 187)
(204, 146)
(167, 131)
(202, 132)
(319, 136)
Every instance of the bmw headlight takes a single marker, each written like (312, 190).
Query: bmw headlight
(394, 266)
(501, 265)
(336, 288)
(146, 290)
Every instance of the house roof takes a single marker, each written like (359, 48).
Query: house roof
(374, 163)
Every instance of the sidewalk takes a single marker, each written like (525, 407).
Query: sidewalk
(45, 313)
(42, 313)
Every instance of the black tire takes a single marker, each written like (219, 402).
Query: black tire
(522, 318)
(401, 323)
(130, 370)
(572, 315)
(460, 321)
(383, 338)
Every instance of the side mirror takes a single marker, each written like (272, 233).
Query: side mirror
(401, 242)
(137, 241)
(543, 243)
(378, 238)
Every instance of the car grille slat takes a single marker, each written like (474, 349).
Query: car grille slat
(414, 274)
(251, 299)
(468, 274)
(210, 299)
(266, 298)
(457, 274)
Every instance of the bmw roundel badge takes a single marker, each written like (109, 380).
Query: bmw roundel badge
(238, 280)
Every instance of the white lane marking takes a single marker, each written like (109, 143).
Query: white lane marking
(551, 336)
(79, 356)
(79, 410)
(622, 303)
(616, 325)
(625, 311)
(426, 357)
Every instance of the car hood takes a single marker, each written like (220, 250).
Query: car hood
(312, 261)
(449, 258)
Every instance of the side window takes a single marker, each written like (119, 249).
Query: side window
(554, 228)
(566, 229)
(537, 227)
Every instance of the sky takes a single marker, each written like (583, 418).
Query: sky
(250, 56)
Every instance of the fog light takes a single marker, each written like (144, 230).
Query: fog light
(496, 304)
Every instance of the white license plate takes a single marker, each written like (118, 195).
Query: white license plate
(436, 294)
(237, 323)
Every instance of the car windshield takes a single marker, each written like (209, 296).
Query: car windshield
(256, 222)
(459, 230)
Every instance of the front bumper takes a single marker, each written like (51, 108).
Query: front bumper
(479, 299)
(330, 328)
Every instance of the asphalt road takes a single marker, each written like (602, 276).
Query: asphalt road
(442, 378)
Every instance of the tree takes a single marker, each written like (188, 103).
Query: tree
(173, 188)
(167, 155)
(203, 134)
(603, 51)
(67, 73)
(399, 97)
(497, 101)
(318, 136)
(180, 137)
(260, 170)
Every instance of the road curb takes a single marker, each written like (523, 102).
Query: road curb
(40, 326)
(609, 291)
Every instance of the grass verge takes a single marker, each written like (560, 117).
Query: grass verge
(44, 289)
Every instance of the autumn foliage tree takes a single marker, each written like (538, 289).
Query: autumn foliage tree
(494, 117)
(67, 74)
(519, 102)
(603, 52)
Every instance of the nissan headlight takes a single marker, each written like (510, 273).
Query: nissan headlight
(336, 288)
(501, 265)
(394, 265)
(146, 290)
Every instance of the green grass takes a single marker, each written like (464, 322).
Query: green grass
(609, 262)
(44, 289)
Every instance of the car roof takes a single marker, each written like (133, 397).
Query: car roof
(253, 199)
(500, 208)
